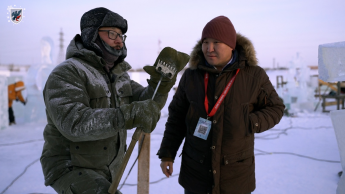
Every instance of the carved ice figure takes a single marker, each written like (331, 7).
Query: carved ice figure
(35, 80)
(3, 102)
(298, 94)
(332, 62)
(332, 69)
(337, 117)
(46, 47)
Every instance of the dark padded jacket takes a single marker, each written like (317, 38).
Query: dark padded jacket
(86, 126)
(224, 163)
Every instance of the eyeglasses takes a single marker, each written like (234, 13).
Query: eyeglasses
(113, 35)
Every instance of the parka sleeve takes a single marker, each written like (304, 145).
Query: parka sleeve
(68, 107)
(175, 128)
(270, 107)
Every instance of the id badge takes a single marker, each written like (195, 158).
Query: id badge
(202, 128)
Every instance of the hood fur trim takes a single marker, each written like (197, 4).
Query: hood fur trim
(244, 47)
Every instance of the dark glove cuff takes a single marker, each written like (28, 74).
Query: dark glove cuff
(164, 87)
(127, 118)
(167, 160)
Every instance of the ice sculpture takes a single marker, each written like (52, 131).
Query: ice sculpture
(337, 117)
(3, 103)
(35, 81)
(331, 69)
(298, 94)
(332, 62)
(46, 50)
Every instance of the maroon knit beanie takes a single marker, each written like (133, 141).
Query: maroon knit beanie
(220, 28)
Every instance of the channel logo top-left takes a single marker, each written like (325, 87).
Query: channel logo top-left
(15, 14)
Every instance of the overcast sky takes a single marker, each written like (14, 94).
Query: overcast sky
(278, 28)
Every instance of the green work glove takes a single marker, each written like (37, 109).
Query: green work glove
(144, 114)
(176, 61)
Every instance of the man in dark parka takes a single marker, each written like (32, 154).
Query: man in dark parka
(91, 102)
(219, 126)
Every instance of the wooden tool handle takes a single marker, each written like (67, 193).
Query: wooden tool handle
(116, 181)
(135, 138)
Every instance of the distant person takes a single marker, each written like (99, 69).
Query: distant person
(14, 93)
(91, 102)
(223, 98)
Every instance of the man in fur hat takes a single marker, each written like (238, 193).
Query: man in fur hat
(91, 102)
(223, 98)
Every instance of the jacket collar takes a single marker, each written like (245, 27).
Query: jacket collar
(77, 49)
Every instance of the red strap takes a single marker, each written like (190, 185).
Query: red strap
(222, 96)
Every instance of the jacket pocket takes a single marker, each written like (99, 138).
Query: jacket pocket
(197, 156)
(246, 109)
(123, 86)
(195, 163)
(96, 154)
(238, 166)
(263, 99)
(99, 100)
(241, 157)
(99, 94)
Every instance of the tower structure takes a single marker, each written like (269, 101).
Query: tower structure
(159, 46)
(61, 57)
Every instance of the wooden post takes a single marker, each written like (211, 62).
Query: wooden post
(144, 165)
(280, 81)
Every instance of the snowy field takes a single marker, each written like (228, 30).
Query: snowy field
(298, 156)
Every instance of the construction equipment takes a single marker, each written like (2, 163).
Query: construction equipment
(168, 71)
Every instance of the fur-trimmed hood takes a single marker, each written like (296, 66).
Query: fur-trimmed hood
(244, 47)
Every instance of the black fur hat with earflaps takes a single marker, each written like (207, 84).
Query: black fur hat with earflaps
(92, 20)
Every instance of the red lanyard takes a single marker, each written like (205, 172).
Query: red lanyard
(220, 100)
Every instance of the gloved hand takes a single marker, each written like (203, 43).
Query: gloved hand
(173, 58)
(144, 114)
(118, 192)
(24, 103)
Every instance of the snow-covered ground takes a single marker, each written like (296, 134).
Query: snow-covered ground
(298, 156)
